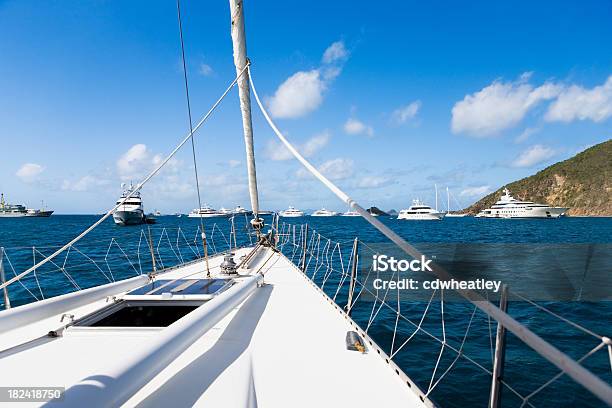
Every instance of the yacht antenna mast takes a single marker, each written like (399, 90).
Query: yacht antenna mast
(241, 61)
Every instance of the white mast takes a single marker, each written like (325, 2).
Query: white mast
(240, 61)
(447, 200)
(436, 187)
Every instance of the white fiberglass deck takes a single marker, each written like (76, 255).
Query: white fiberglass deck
(283, 346)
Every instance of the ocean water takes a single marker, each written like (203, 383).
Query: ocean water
(570, 255)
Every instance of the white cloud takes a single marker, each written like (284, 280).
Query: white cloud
(233, 163)
(335, 53)
(578, 103)
(29, 172)
(499, 106)
(374, 182)
(314, 144)
(173, 165)
(406, 113)
(475, 191)
(172, 187)
(85, 183)
(278, 152)
(134, 162)
(525, 134)
(330, 73)
(303, 91)
(205, 69)
(535, 154)
(302, 173)
(139, 160)
(299, 95)
(337, 169)
(354, 126)
(224, 184)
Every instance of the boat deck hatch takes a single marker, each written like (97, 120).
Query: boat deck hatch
(139, 313)
(182, 287)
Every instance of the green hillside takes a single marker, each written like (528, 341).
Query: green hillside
(583, 183)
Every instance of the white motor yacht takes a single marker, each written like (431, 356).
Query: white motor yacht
(205, 212)
(225, 211)
(131, 212)
(11, 210)
(350, 214)
(241, 210)
(34, 212)
(291, 212)
(324, 213)
(510, 207)
(419, 211)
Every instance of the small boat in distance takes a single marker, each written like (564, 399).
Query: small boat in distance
(291, 212)
(324, 213)
(448, 210)
(510, 207)
(131, 212)
(419, 211)
(242, 210)
(350, 214)
(205, 212)
(456, 215)
(31, 212)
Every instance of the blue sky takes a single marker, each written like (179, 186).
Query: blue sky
(386, 99)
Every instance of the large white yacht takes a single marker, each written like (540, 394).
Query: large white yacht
(510, 207)
(11, 210)
(225, 211)
(419, 211)
(324, 213)
(291, 212)
(130, 212)
(206, 211)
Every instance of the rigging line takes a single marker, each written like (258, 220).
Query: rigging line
(137, 188)
(193, 151)
(558, 316)
(458, 351)
(578, 373)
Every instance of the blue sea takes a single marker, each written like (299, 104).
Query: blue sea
(563, 265)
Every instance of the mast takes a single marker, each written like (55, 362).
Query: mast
(240, 61)
(447, 200)
(436, 187)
